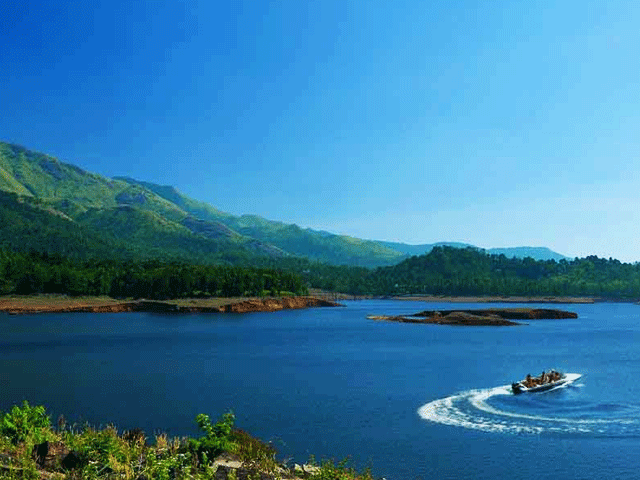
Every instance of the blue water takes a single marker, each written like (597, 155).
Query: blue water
(410, 401)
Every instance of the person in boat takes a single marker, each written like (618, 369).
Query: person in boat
(528, 382)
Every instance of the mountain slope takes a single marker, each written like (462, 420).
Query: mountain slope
(29, 226)
(44, 177)
(193, 207)
(110, 209)
(160, 237)
(97, 202)
(166, 222)
(290, 238)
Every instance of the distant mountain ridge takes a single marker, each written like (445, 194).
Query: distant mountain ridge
(537, 253)
(159, 220)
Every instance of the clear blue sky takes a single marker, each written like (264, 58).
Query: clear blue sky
(492, 123)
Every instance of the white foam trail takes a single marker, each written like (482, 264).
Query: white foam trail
(450, 411)
(471, 410)
(479, 399)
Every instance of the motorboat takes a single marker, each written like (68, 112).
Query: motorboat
(544, 382)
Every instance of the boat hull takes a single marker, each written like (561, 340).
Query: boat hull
(519, 388)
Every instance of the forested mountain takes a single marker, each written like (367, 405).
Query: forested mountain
(118, 235)
(28, 225)
(149, 220)
(171, 222)
(306, 242)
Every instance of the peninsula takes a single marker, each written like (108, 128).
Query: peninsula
(62, 304)
(475, 317)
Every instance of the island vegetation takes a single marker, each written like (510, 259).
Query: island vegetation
(32, 448)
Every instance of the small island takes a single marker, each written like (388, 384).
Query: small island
(478, 317)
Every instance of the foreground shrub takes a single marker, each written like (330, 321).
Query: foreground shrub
(329, 470)
(25, 422)
(217, 438)
(255, 455)
(91, 454)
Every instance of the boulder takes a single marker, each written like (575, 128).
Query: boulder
(39, 452)
(49, 455)
(71, 461)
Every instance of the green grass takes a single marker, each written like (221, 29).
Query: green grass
(30, 173)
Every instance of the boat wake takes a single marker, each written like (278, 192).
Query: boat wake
(498, 410)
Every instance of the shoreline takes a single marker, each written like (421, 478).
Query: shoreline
(502, 299)
(16, 305)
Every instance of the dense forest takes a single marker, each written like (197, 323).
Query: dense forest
(467, 271)
(443, 271)
(33, 272)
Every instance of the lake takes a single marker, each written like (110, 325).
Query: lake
(410, 401)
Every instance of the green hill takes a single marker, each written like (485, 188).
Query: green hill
(119, 217)
(289, 238)
(160, 237)
(469, 271)
(38, 175)
(162, 221)
(151, 219)
(30, 225)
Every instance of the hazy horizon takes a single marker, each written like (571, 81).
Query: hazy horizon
(495, 125)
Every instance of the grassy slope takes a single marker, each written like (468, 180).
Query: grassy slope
(79, 194)
(67, 186)
(323, 246)
(27, 225)
(159, 237)
(150, 224)
(195, 208)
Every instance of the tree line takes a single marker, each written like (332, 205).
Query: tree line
(469, 271)
(41, 273)
(443, 271)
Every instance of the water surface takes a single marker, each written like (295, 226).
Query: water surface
(411, 401)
